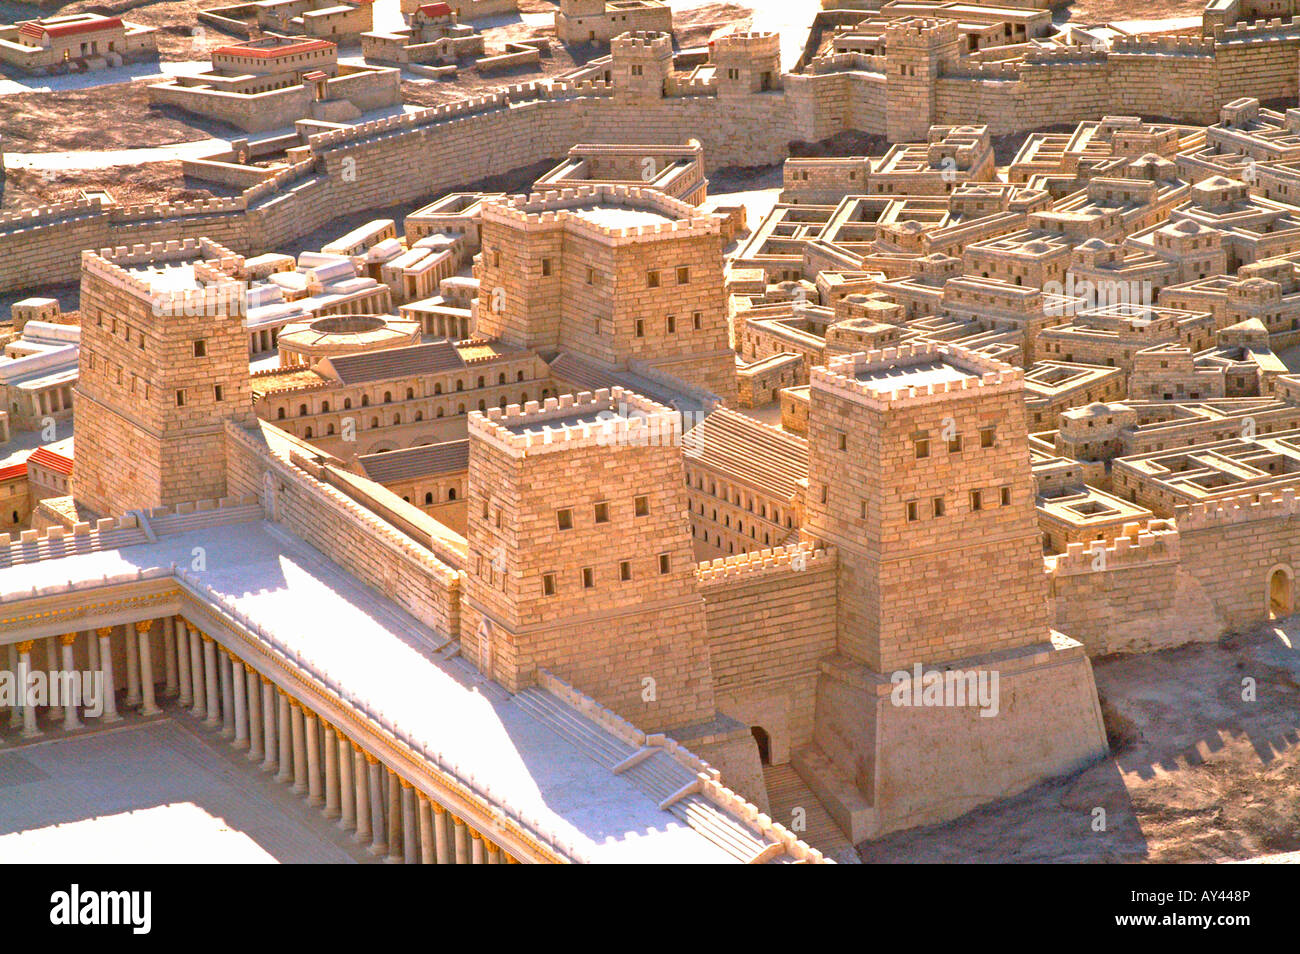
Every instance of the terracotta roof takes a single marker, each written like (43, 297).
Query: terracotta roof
(266, 53)
(396, 362)
(409, 463)
(50, 460)
(38, 28)
(436, 9)
(12, 471)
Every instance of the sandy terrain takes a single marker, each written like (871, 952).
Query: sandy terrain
(128, 185)
(1196, 774)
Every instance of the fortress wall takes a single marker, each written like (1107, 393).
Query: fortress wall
(1230, 548)
(967, 101)
(346, 533)
(770, 620)
(1132, 596)
(1265, 66)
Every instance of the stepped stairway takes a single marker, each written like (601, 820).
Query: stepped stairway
(657, 774)
(786, 791)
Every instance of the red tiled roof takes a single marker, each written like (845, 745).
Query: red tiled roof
(12, 471)
(50, 460)
(306, 46)
(38, 28)
(436, 9)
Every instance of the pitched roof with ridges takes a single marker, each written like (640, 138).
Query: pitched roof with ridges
(397, 362)
(412, 462)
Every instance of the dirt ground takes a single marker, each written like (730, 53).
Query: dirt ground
(128, 185)
(1197, 773)
(1102, 11)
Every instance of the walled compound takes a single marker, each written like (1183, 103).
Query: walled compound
(75, 43)
(686, 497)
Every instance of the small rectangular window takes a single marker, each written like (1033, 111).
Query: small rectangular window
(954, 445)
(663, 563)
(564, 519)
(936, 506)
(683, 275)
(976, 500)
(548, 584)
(217, 392)
(652, 278)
(588, 577)
(546, 266)
(640, 328)
(602, 513)
(591, 276)
(201, 348)
(922, 448)
(671, 324)
(697, 321)
(642, 505)
(180, 398)
(986, 436)
(843, 441)
(625, 571)
(1006, 496)
(911, 511)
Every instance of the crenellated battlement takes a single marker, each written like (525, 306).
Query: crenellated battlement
(869, 377)
(607, 418)
(1233, 510)
(1156, 541)
(542, 210)
(794, 558)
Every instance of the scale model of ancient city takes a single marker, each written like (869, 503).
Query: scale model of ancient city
(510, 431)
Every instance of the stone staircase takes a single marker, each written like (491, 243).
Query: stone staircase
(658, 775)
(786, 791)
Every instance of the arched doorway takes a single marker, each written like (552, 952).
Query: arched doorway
(1281, 601)
(764, 743)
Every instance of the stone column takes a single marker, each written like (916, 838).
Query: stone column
(226, 662)
(30, 731)
(426, 832)
(70, 720)
(269, 742)
(331, 746)
(347, 797)
(394, 793)
(105, 635)
(299, 748)
(133, 697)
(54, 709)
(285, 731)
(185, 697)
(240, 680)
(493, 852)
(211, 674)
(171, 674)
(16, 714)
(92, 651)
(361, 785)
(311, 740)
(253, 692)
(410, 831)
(460, 840)
(148, 705)
(197, 674)
(442, 848)
(477, 856)
(375, 782)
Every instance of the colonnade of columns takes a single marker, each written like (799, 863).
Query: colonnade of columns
(332, 771)
(66, 695)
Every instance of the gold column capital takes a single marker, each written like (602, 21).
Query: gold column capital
(475, 835)
(104, 632)
(205, 637)
(266, 680)
(68, 639)
(403, 782)
(371, 759)
(143, 626)
(26, 645)
(437, 809)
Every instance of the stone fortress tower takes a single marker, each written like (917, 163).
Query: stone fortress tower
(919, 475)
(641, 63)
(580, 556)
(917, 50)
(617, 273)
(164, 364)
